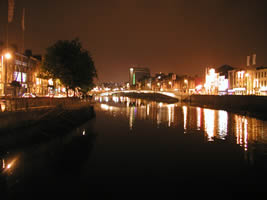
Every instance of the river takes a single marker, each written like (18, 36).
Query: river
(138, 145)
(177, 143)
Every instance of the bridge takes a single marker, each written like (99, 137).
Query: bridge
(171, 93)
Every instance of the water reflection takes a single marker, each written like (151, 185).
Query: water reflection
(131, 117)
(222, 124)
(209, 117)
(170, 114)
(241, 131)
(215, 124)
(185, 117)
(199, 118)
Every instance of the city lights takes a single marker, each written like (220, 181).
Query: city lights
(211, 81)
(8, 56)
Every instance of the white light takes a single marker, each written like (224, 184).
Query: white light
(50, 81)
(239, 89)
(199, 87)
(7, 55)
(212, 71)
(263, 89)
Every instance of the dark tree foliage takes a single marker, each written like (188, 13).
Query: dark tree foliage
(71, 64)
(223, 70)
(28, 52)
(15, 84)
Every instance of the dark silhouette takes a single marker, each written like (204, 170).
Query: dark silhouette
(71, 64)
(223, 70)
(28, 52)
(16, 86)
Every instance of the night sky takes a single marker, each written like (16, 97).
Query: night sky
(180, 36)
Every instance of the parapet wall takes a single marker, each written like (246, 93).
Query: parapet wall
(254, 104)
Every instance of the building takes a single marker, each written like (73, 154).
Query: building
(260, 81)
(137, 74)
(212, 81)
(19, 74)
(248, 80)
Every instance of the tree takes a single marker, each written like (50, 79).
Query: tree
(223, 70)
(16, 86)
(71, 64)
(28, 52)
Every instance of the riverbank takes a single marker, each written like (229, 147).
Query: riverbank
(253, 106)
(33, 127)
(151, 97)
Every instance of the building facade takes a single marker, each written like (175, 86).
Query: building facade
(137, 74)
(19, 74)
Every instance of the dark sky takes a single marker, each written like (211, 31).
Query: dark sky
(180, 36)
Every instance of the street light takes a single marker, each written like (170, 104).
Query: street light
(186, 85)
(170, 83)
(8, 56)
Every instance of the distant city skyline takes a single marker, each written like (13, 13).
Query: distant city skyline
(183, 37)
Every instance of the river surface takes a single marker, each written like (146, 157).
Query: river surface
(138, 144)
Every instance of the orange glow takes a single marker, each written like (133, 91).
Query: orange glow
(3, 107)
(8, 56)
(209, 117)
(185, 117)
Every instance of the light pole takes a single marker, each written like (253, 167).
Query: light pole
(247, 84)
(7, 57)
(170, 83)
(186, 85)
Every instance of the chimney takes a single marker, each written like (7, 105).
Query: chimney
(254, 59)
(248, 60)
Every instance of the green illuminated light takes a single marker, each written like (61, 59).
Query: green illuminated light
(133, 79)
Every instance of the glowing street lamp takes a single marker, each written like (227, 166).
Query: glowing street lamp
(8, 56)
(170, 83)
(186, 85)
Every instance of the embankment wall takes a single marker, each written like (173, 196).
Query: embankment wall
(256, 105)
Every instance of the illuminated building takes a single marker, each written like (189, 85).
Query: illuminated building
(17, 68)
(249, 80)
(26, 71)
(137, 74)
(212, 81)
(260, 81)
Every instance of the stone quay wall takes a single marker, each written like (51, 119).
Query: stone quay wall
(237, 103)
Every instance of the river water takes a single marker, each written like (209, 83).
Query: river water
(137, 145)
(176, 143)
(213, 124)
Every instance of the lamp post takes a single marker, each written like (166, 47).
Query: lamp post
(7, 57)
(186, 85)
(247, 83)
(170, 83)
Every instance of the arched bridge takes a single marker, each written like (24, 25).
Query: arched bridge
(173, 94)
